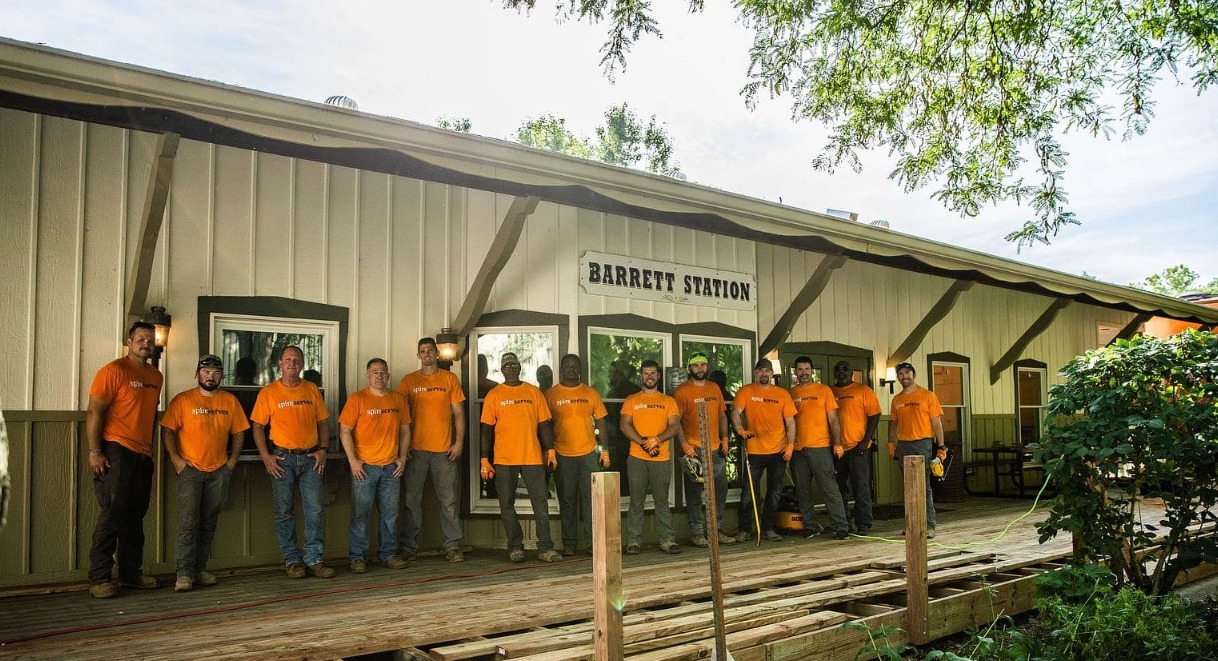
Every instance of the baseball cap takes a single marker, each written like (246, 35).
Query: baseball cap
(764, 363)
(210, 360)
(906, 366)
(509, 358)
(697, 357)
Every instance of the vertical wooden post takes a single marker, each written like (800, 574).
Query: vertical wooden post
(607, 566)
(712, 529)
(917, 595)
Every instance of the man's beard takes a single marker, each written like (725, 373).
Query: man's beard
(209, 386)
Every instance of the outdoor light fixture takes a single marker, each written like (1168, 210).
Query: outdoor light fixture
(446, 344)
(162, 321)
(889, 378)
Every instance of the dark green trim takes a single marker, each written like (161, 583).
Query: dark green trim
(44, 416)
(1029, 362)
(528, 318)
(284, 308)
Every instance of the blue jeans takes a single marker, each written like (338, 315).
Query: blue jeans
(923, 448)
(574, 478)
(539, 495)
(654, 477)
(201, 496)
(298, 470)
(444, 481)
(855, 467)
(773, 467)
(813, 470)
(695, 497)
(381, 486)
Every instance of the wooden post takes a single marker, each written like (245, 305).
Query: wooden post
(712, 530)
(917, 594)
(607, 566)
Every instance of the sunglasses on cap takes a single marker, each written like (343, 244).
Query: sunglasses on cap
(210, 361)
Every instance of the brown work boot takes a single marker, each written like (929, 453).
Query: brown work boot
(142, 582)
(395, 562)
(205, 579)
(359, 566)
(725, 538)
(454, 555)
(772, 536)
(107, 590)
(184, 584)
(549, 556)
(320, 570)
(699, 541)
(296, 570)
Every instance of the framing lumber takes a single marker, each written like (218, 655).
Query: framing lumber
(811, 291)
(160, 179)
(917, 598)
(1039, 326)
(496, 258)
(933, 317)
(607, 566)
(1131, 328)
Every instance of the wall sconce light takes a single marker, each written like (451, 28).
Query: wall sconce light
(163, 323)
(447, 344)
(889, 378)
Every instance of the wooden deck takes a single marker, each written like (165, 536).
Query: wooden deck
(784, 600)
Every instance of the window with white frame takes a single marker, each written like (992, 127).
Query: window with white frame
(1031, 393)
(537, 349)
(950, 382)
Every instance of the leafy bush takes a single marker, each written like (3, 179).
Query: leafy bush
(1128, 624)
(1076, 583)
(1134, 420)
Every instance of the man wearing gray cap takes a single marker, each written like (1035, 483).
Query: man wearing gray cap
(197, 429)
(516, 433)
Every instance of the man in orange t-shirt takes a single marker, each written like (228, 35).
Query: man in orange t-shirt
(296, 414)
(516, 428)
(859, 413)
(202, 431)
(696, 390)
(576, 407)
(818, 441)
(650, 419)
(119, 424)
(770, 435)
(374, 428)
(915, 427)
(437, 437)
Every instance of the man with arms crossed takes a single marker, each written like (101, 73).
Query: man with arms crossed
(198, 427)
(375, 431)
(437, 415)
(650, 419)
(859, 413)
(122, 410)
(516, 422)
(770, 435)
(576, 407)
(297, 414)
(916, 428)
(818, 442)
(697, 389)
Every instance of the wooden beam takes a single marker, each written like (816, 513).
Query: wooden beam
(607, 594)
(934, 316)
(159, 182)
(1039, 326)
(496, 258)
(917, 593)
(1131, 328)
(810, 292)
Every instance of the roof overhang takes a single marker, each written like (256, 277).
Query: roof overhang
(57, 83)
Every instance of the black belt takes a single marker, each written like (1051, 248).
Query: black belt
(308, 451)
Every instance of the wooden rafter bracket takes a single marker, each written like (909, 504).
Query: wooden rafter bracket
(933, 317)
(1039, 326)
(806, 296)
(1131, 328)
(160, 179)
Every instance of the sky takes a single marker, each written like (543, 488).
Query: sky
(1144, 204)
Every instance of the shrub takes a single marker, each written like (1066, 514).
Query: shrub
(1128, 624)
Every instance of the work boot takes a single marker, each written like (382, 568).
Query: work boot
(549, 556)
(142, 582)
(107, 590)
(568, 550)
(394, 562)
(296, 570)
(841, 534)
(725, 538)
(699, 541)
(744, 536)
(454, 555)
(670, 547)
(516, 555)
(633, 549)
(771, 536)
(359, 566)
(205, 579)
(184, 584)
(320, 570)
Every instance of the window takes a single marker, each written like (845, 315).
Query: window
(950, 382)
(733, 358)
(1030, 396)
(536, 347)
(614, 357)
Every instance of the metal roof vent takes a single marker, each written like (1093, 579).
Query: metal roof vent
(882, 224)
(342, 102)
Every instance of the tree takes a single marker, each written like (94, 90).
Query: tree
(1137, 420)
(458, 124)
(970, 96)
(623, 140)
(1175, 281)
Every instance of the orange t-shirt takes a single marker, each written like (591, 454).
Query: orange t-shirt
(573, 409)
(913, 413)
(131, 394)
(766, 410)
(855, 403)
(813, 403)
(515, 411)
(375, 422)
(650, 414)
(292, 413)
(431, 400)
(688, 395)
(204, 426)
